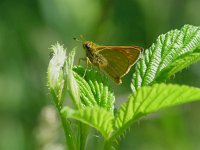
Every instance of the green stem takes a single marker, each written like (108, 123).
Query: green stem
(108, 144)
(68, 132)
(66, 126)
(84, 130)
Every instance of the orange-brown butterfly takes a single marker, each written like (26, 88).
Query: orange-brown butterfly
(116, 61)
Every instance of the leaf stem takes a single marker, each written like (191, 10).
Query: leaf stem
(84, 130)
(68, 131)
(108, 144)
(65, 123)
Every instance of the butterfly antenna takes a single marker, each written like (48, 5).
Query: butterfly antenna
(79, 40)
(81, 37)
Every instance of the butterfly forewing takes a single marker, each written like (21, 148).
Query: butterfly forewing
(119, 60)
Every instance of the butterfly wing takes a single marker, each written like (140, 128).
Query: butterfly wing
(119, 60)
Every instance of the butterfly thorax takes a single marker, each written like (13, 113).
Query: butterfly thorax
(93, 54)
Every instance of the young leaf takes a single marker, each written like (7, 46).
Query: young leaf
(150, 99)
(171, 53)
(97, 117)
(94, 89)
(71, 81)
(55, 73)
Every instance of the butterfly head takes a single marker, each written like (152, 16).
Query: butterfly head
(88, 45)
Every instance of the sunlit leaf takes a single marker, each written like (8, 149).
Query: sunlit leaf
(171, 53)
(151, 99)
(97, 117)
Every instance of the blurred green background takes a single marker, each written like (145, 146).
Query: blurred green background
(28, 28)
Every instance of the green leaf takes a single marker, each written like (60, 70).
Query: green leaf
(171, 53)
(97, 117)
(94, 89)
(150, 99)
(71, 81)
(180, 64)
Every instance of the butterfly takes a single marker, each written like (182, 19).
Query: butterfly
(116, 61)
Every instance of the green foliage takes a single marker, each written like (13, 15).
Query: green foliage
(151, 99)
(96, 117)
(94, 100)
(94, 89)
(71, 81)
(180, 64)
(171, 53)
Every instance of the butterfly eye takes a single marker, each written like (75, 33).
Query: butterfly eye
(87, 46)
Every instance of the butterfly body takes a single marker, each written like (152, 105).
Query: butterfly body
(116, 61)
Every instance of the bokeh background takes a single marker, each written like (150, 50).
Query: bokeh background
(29, 27)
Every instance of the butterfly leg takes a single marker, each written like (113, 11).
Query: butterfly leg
(83, 59)
(87, 64)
